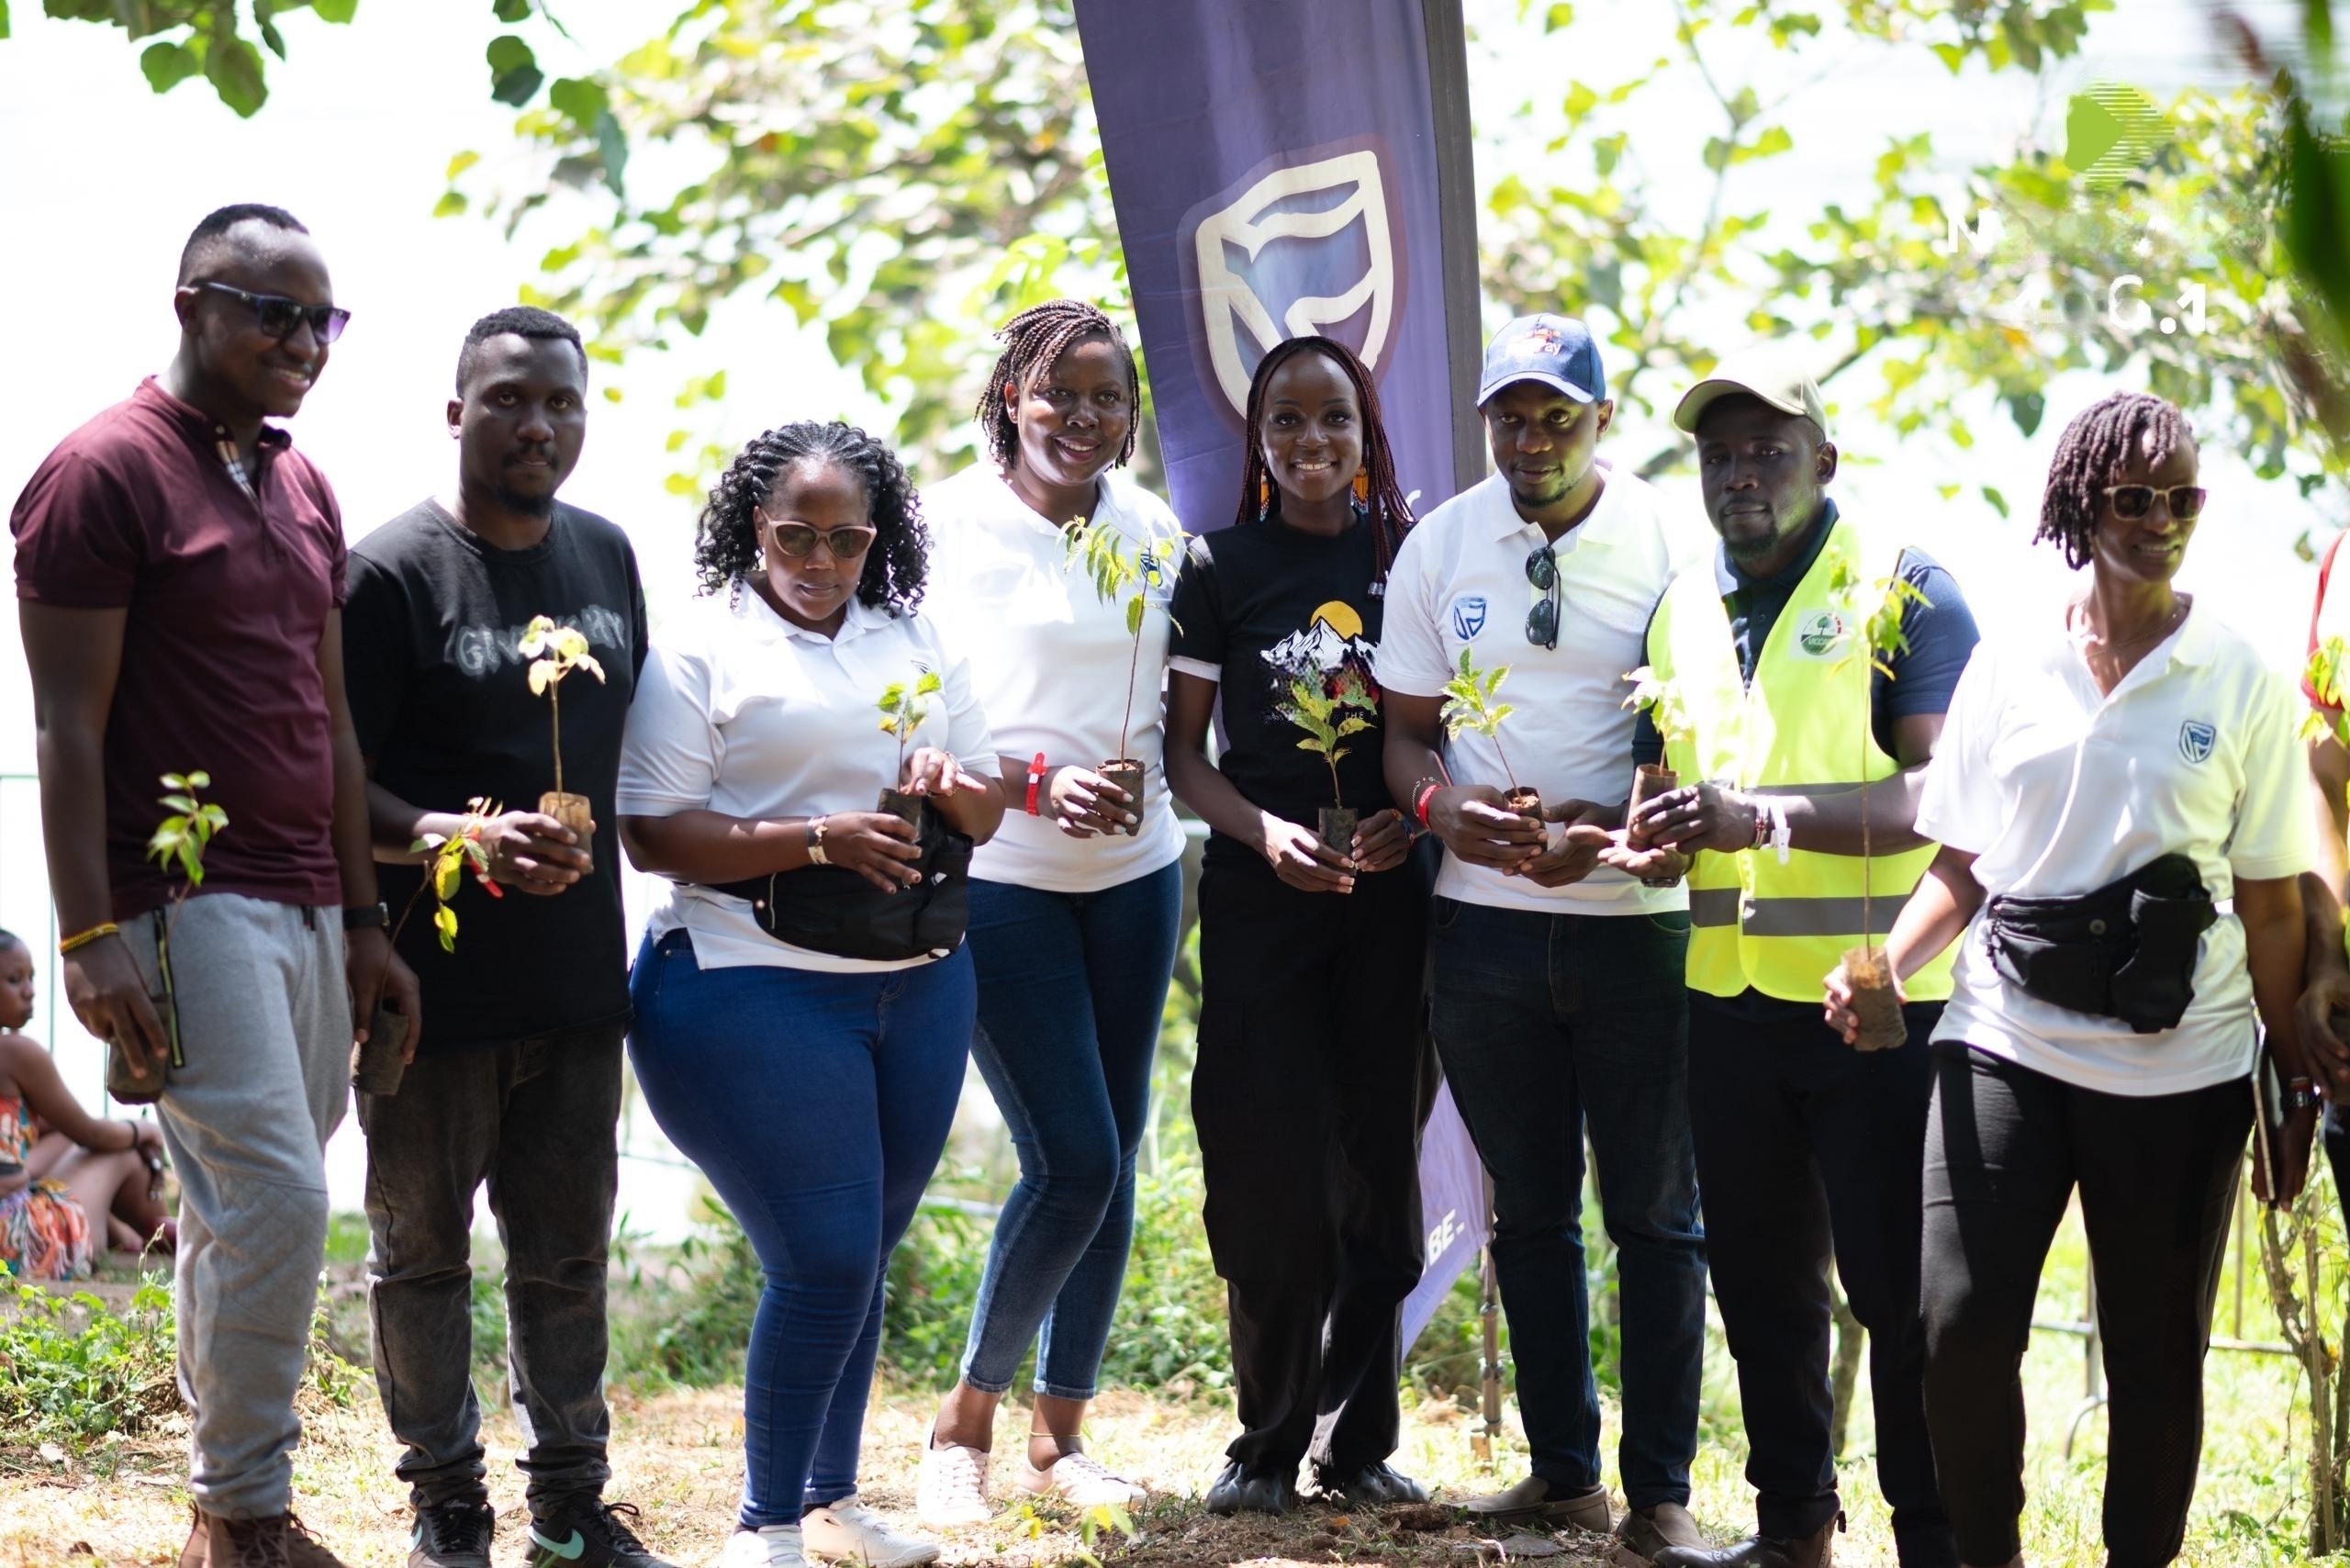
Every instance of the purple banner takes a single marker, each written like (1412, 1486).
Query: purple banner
(1286, 167)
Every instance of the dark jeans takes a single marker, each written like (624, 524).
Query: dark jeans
(1808, 1147)
(1073, 991)
(1307, 1098)
(817, 1105)
(2005, 1148)
(1550, 1024)
(535, 1120)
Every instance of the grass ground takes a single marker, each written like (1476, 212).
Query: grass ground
(678, 1455)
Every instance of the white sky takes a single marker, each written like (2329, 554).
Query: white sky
(101, 181)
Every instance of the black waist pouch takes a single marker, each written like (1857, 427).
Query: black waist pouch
(2127, 950)
(829, 909)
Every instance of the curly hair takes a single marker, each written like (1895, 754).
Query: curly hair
(1390, 514)
(1032, 341)
(726, 540)
(2091, 454)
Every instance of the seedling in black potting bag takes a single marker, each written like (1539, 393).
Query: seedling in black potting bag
(555, 652)
(1328, 708)
(1661, 700)
(1469, 707)
(1876, 1000)
(1122, 571)
(902, 711)
(179, 841)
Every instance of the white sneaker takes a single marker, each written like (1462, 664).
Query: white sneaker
(1082, 1479)
(845, 1532)
(953, 1491)
(776, 1546)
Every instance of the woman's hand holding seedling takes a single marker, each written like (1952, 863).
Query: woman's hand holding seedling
(1838, 1003)
(1299, 857)
(1382, 842)
(877, 846)
(1575, 854)
(1086, 804)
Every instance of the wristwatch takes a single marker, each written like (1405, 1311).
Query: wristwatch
(365, 916)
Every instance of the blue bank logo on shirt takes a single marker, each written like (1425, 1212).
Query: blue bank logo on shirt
(2196, 739)
(1468, 616)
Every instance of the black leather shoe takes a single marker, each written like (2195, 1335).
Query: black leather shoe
(1372, 1487)
(1816, 1549)
(1235, 1491)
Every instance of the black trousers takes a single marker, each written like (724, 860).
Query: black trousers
(2157, 1175)
(1807, 1150)
(1307, 1096)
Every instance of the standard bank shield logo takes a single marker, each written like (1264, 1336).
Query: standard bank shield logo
(2196, 740)
(1304, 249)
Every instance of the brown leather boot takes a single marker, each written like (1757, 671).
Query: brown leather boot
(278, 1542)
(1816, 1549)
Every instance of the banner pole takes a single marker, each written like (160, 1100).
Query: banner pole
(1456, 203)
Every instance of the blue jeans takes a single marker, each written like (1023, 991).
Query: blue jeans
(1550, 1026)
(817, 1106)
(1073, 987)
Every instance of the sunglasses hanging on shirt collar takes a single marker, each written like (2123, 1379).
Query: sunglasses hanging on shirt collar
(1542, 621)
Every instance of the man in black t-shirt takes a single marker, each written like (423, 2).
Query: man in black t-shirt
(519, 1084)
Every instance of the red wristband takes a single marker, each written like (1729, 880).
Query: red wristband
(1036, 779)
(1420, 802)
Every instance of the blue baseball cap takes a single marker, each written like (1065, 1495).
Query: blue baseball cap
(1556, 351)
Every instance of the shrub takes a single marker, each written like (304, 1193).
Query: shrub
(71, 1372)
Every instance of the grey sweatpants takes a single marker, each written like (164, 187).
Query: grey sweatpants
(265, 1025)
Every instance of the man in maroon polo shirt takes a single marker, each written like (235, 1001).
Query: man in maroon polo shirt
(179, 578)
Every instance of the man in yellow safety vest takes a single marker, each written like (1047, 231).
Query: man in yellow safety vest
(1800, 759)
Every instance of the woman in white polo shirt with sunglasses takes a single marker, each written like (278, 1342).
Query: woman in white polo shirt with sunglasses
(2099, 789)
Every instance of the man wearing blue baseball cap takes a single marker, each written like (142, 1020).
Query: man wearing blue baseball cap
(1559, 1004)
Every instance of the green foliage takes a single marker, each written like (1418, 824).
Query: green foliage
(449, 859)
(182, 837)
(1469, 706)
(1328, 709)
(1882, 634)
(208, 39)
(71, 1372)
(1118, 566)
(2323, 676)
(1662, 700)
(683, 1317)
(556, 653)
(903, 709)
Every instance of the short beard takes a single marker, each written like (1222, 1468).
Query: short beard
(524, 506)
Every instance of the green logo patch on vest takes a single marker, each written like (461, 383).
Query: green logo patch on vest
(1819, 632)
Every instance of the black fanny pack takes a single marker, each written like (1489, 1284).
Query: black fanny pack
(2126, 951)
(829, 909)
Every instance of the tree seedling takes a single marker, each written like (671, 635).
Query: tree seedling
(1876, 1002)
(1123, 572)
(178, 845)
(1661, 700)
(556, 652)
(902, 711)
(378, 1062)
(1469, 707)
(1328, 710)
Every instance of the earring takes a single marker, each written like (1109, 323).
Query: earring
(1362, 493)
(1264, 497)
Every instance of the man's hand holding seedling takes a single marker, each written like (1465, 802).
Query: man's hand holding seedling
(533, 852)
(1708, 815)
(1572, 855)
(1474, 823)
(103, 988)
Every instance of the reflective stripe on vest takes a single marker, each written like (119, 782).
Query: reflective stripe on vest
(1802, 728)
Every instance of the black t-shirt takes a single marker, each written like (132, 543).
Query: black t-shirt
(442, 705)
(1258, 603)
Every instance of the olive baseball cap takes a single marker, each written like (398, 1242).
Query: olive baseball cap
(1776, 373)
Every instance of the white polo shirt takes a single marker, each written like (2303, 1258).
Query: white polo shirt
(1460, 582)
(1054, 667)
(2058, 790)
(742, 712)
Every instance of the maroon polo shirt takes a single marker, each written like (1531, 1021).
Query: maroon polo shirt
(228, 594)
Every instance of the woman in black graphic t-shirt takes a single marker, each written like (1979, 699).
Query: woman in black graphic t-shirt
(1307, 1093)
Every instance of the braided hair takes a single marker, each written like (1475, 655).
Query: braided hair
(1033, 340)
(726, 541)
(2093, 450)
(1390, 514)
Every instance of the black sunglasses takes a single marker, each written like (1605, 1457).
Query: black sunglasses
(1542, 621)
(280, 315)
(2131, 502)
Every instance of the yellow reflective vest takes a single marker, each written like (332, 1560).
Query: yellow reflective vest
(1800, 728)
